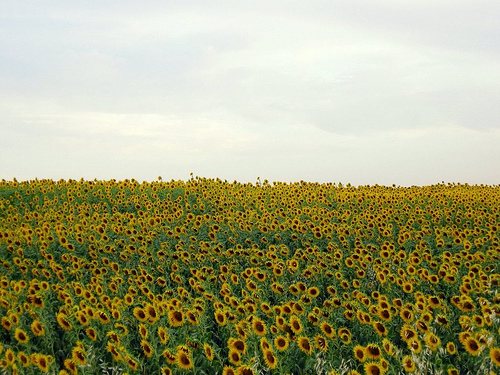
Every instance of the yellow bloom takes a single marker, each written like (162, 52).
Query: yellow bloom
(359, 353)
(21, 336)
(209, 352)
(146, 348)
(328, 330)
(295, 324)
(409, 364)
(472, 346)
(373, 368)
(175, 318)
(37, 328)
(270, 359)
(234, 357)
(495, 356)
(259, 326)
(321, 343)
(281, 343)
(237, 345)
(305, 345)
(79, 356)
(63, 322)
(140, 314)
(373, 351)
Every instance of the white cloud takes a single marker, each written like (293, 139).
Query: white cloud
(297, 90)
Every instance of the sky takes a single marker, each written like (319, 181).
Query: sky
(361, 92)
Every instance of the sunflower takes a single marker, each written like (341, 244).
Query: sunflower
(128, 299)
(359, 353)
(259, 327)
(234, 357)
(23, 358)
(114, 337)
(442, 320)
(209, 352)
(36, 301)
(163, 335)
(10, 357)
(70, 365)
(388, 347)
(103, 317)
(495, 356)
(407, 332)
(37, 328)
(146, 348)
(406, 315)
(373, 351)
(451, 348)
(175, 318)
(131, 363)
(345, 335)
(478, 320)
(373, 368)
(79, 356)
(112, 348)
(414, 345)
(152, 314)
(407, 287)
(140, 314)
(21, 336)
(184, 360)
(166, 370)
(432, 341)
(220, 317)
(270, 359)
(241, 331)
(43, 362)
(244, 370)
(328, 330)
(281, 343)
(63, 322)
(82, 318)
(313, 318)
(192, 318)
(91, 333)
(295, 324)
(305, 345)
(313, 292)
(422, 326)
(228, 370)
(237, 345)
(116, 314)
(409, 364)
(321, 343)
(264, 344)
(143, 331)
(169, 356)
(472, 346)
(280, 321)
(380, 328)
(298, 308)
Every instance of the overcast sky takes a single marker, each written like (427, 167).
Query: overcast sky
(366, 92)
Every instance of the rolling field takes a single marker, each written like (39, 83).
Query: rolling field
(210, 277)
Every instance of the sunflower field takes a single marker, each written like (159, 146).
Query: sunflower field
(206, 276)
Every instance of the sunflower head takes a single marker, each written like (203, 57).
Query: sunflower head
(270, 359)
(305, 345)
(281, 343)
(184, 360)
